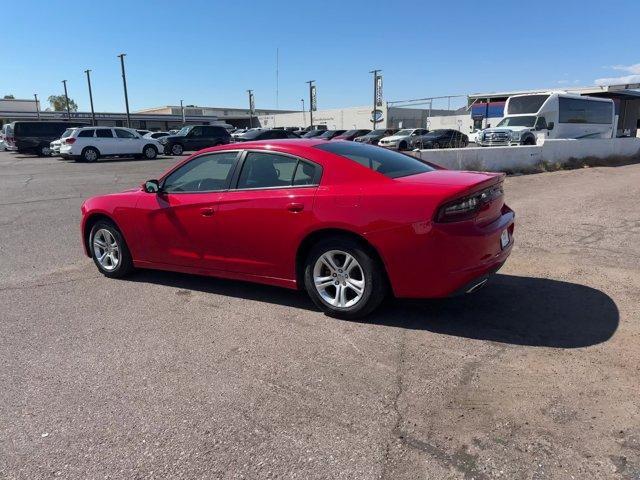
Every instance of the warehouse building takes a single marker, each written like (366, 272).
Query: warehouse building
(354, 118)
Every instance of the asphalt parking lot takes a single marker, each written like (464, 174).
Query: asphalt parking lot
(174, 376)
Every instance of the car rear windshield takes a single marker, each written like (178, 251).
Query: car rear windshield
(387, 162)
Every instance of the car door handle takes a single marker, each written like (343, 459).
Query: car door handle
(206, 212)
(295, 207)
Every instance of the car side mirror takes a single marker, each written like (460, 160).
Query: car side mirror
(151, 186)
(550, 126)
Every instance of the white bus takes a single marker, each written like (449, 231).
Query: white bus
(534, 117)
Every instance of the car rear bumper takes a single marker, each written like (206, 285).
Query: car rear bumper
(431, 260)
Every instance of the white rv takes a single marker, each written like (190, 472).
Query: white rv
(532, 118)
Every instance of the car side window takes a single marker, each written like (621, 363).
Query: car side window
(196, 132)
(104, 133)
(120, 133)
(269, 170)
(86, 133)
(206, 173)
(305, 174)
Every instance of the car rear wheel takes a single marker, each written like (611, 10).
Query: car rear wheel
(344, 279)
(150, 152)
(109, 250)
(176, 149)
(90, 154)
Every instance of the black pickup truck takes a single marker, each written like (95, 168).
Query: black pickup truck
(194, 137)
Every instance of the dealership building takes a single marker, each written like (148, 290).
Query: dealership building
(160, 118)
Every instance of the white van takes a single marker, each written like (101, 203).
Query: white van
(532, 118)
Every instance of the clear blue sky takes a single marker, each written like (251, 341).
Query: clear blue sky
(209, 52)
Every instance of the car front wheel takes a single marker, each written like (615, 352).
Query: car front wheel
(344, 279)
(109, 250)
(176, 149)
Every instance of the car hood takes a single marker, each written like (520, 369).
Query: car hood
(506, 129)
(395, 137)
(173, 137)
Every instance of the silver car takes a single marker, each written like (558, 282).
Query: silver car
(401, 140)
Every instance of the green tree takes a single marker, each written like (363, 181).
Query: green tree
(59, 104)
(9, 97)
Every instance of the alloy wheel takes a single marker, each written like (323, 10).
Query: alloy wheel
(90, 156)
(339, 279)
(106, 249)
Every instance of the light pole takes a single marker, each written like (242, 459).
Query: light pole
(304, 119)
(124, 82)
(182, 111)
(251, 107)
(312, 103)
(93, 115)
(35, 95)
(375, 96)
(66, 99)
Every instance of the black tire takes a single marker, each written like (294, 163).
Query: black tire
(90, 154)
(529, 141)
(44, 151)
(402, 145)
(125, 262)
(149, 152)
(176, 149)
(375, 282)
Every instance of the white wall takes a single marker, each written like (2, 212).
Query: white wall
(524, 158)
(334, 119)
(18, 105)
(456, 122)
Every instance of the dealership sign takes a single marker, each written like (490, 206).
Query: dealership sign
(378, 91)
(377, 116)
(314, 102)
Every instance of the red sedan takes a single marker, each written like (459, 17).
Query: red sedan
(348, 222)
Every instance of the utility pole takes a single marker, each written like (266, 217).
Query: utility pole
(251, 107)
(93, 115)
(35, 95)
(304, 118)
(124, 82)
(182, 110)
(374, 118)
(312, 102)
(66, 99)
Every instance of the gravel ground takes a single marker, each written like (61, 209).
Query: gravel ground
(174, 376)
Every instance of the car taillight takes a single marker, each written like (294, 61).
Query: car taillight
(466, 207)
(69, 140)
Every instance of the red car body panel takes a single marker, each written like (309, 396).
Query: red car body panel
(255, 234)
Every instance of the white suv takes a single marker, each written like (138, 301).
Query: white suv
(90, 143)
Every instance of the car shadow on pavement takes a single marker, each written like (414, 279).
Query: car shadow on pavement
(509, 309)
(515, 310)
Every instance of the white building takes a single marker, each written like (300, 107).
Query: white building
(354, 118)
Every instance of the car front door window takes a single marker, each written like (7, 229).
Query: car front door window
(202, 174)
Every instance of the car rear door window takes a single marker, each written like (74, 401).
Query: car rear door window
(86, 133)
(104, 133)
(206, 173)
(269, 170)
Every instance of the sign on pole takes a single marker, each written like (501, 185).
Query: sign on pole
(252, 104)
(314, 103)
(378, 90)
